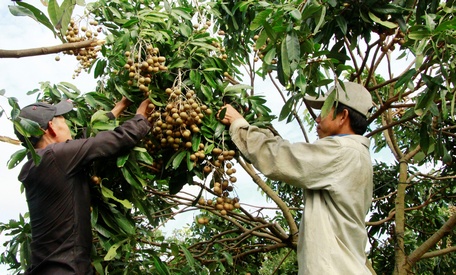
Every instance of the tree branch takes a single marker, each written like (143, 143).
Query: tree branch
(446, 228)
(10, 140)
(273, 195)
(439, 252)
(49, 50)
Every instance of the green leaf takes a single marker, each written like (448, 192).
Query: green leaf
(301, 82)
(99, 68)
(342, 23)
(66, 86)
(174, 249)
(160, 267)
(228, 257)
(387, 24)
(196, 140)
(293, 51)
(107, 193)
(188, 257)
(405, 78)
(321, 21)
(311, 9)
(237, 88)
(419, 34)
(178, 159)
(424, 137)
(424, 101)
(125, 224)
(54, 12)
(185, 30)
(143, 155)
(131, 22)
(27, 127)
(270, 55)
(260, 19)
(284, 62)
(100, 116)
(112, 252)
(296, 14)
(16, 158)
(329, 103)
(286, 109)
(262, 39)
(182, 13)
(130, 178)
(36, 158)
(178, 63)
(66, 9)
(219, 129)
(121, 160)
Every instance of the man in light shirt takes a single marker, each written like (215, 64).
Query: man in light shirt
(335, 172)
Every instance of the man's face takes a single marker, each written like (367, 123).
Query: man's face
(61, 128)
(328, 125)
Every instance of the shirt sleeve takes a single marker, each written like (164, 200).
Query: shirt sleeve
(72, 155)
(305, 165)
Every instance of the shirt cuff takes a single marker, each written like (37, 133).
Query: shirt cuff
(239, 123)
(110, 115)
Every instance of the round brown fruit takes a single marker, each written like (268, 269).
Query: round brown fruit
(96, 179)
(202, 201)
(207, 169)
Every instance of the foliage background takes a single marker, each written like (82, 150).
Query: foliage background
(424, 135)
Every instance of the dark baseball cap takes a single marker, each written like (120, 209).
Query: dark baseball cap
(42, 113)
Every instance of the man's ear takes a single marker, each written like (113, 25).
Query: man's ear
(344, 116)
(50, 129)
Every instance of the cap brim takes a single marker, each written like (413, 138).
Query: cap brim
(63, 107)
(315, 103)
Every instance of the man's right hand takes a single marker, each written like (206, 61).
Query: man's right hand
(120, 107)
(231, 114)
(145, 108)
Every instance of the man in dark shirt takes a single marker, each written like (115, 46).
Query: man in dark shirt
(57, 190)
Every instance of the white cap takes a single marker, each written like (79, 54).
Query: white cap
(355, 96)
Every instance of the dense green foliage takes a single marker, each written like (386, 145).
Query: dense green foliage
(213, 52)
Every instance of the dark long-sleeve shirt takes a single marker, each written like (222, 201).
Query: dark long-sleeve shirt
(58, 197)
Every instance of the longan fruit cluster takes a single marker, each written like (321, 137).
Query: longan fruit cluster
(452, 209)
(85, 56)
(141, 67)
(224, 204)
(398, 39)
(203, 28)
(259, 52)
(174, 124)
(223, 181)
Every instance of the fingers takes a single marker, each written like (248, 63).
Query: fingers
(229, 114)
(145, 108)
(125, 101)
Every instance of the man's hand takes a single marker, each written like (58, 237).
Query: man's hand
(145, 108)
(120, 107)
(231, 114)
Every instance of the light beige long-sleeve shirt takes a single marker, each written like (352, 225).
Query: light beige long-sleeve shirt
(336, 173)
